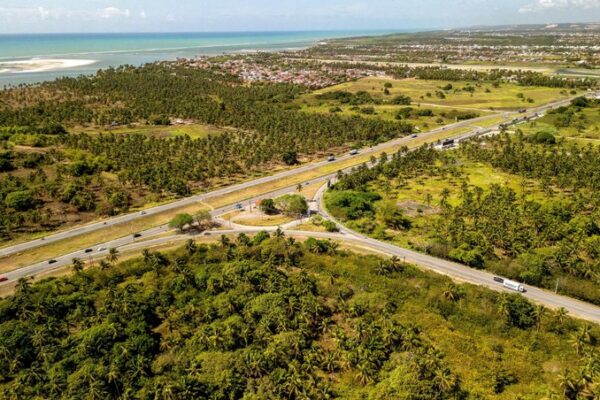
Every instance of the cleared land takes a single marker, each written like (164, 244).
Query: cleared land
(462, 95)
(193, 130)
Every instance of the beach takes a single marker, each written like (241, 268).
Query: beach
(41, 65)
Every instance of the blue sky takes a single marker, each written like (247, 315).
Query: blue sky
(22, 16)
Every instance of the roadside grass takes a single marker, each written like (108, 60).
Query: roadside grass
(262, 220)
(310, 191)
(67, 246)
(485, 97)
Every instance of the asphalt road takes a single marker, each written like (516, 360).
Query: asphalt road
(19, 248)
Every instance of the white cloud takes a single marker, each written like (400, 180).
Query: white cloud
(112, 12)
(42, 13)
(544, 5)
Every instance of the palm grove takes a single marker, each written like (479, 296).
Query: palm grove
(270, 318)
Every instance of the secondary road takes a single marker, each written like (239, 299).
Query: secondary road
(18, 248)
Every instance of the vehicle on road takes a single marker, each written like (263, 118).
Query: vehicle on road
(516, 286)
(52, 262)
(414, 135)
(101, 249)
(137, 235)
(143, 213)
(3, 279)
(88, 250)
(353, 152)
(523, 110)
(331, 158)
(498, 279)
(239, 206)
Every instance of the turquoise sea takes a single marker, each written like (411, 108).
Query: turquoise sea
(89, 52)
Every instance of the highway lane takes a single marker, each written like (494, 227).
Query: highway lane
(18, 248)
(453, 270)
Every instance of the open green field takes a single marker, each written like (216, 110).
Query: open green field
(195, 131)
(484, 96)
(583, 125)
(440, 115)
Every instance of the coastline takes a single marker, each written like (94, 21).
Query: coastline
(41, 65)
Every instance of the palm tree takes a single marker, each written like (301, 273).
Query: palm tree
(147, 255)
(503, 306)
(225, 242)
(104, 265)
(538, 313)
(581, 338)
(113, 255)
(561, 315)
(190, 246)
(451, 292)
(279, 233)
(77, 265)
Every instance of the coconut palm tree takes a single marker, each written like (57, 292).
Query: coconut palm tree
(113, 255)
(77, 265)
(538, 313)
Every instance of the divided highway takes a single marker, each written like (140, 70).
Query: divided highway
(149, 237)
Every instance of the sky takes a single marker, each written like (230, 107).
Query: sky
(30, 16)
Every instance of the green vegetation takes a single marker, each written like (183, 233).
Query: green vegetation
(140, 158)
(524, 210)
(270, 318)
(292, 204)
(580, 121)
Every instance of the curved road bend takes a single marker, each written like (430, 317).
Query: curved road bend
(6, 251)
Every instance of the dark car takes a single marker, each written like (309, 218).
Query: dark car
(3, 279)
(137, 235)
(89, 250)
(52, 262)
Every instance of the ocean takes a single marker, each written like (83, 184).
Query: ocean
(33, 58)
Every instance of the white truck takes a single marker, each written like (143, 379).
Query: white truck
(516, 286)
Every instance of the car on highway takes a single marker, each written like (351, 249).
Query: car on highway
(331, 158)
(353, 152)
(143, 213)
(101, 249)
(414, 135)
(88, 250)
(52, 261)
(137, 235)
(238, 206)
(3, 279)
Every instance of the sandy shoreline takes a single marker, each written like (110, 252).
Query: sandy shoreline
(41, 65)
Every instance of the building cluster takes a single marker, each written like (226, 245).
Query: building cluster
(313, 75)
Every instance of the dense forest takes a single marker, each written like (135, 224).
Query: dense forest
(535, 239)
(272, 318)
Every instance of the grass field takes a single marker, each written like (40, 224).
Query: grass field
(195, 131)
(484, 97)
